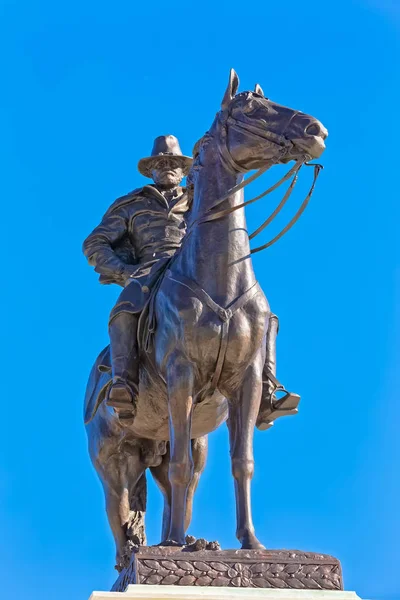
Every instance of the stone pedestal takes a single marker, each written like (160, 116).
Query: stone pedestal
(165, 573)
(282, 569)
(172, 592)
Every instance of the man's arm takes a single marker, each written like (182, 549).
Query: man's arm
(99, 247)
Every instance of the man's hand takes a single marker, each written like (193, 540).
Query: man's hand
(127, 273)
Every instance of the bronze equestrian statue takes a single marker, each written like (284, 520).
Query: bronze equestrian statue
(205, 359)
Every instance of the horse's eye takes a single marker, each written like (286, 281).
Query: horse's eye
(251, 107)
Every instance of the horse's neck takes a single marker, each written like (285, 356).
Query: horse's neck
(216, 254)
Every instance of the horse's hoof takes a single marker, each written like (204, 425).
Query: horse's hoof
(250, 542)
(171, 543)
(253, 546)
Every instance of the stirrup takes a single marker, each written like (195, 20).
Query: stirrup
(282, 407)
(278, 407)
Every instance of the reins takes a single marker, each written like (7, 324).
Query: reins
(294, 171)
(303, 206)
(222, 213)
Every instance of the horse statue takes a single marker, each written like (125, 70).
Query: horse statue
(205, 363)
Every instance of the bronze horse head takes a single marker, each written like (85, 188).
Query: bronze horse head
(259, 130)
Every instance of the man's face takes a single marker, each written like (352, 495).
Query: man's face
(166, 174)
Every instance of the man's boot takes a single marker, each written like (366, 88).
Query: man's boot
(125, 364)
(272, 407)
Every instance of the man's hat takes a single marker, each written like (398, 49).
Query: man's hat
(165, 146)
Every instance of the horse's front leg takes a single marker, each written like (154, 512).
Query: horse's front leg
(160, 474)
(199, 453)
(180, 402)
(243, 410)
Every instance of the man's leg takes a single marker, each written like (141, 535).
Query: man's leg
(270, 385)
(124, 361)
(271, 407)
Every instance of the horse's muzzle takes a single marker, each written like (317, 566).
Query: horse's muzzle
(309, 135)
(313, 145)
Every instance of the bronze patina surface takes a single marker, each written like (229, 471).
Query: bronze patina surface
(192, 336)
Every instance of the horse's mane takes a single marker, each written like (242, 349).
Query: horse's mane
(196, 165)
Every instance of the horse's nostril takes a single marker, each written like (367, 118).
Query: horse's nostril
(313, 129)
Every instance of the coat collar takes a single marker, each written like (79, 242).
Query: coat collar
(151, 190)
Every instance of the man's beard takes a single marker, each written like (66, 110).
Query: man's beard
(171, 181)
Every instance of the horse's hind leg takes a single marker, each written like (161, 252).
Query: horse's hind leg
(125, 495)
(243, 410)
(114, 500)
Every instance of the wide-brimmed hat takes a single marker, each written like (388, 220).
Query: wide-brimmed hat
(165, 146)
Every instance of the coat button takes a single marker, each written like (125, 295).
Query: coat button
(145, 289)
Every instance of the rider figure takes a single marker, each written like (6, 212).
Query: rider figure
(132, 246)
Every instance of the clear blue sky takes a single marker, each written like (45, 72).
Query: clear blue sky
(86, 86)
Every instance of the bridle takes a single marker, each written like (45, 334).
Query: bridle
(223, 120)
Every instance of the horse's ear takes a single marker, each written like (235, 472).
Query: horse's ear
(231, 89)
(258, 90)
